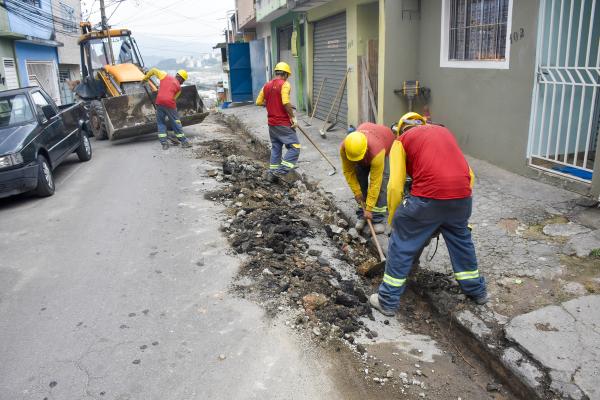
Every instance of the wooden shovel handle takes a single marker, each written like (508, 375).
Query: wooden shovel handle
(381, 256)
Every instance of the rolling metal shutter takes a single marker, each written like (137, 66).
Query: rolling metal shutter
(329, 61)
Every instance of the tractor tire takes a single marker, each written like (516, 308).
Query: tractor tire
(97, 120)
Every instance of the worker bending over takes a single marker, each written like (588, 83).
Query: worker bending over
(166, 107)
(275, 95)
(440, 198)
(365, 164)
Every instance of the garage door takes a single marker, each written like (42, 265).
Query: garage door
(329, 61)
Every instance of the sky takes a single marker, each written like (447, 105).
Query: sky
(168, 28)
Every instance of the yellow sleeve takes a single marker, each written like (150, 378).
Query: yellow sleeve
(395, 189)
(375, 179)
(155, 72)
(349, 170)
(285, 93)
(260, 100)
(472, 177)
(177, 95)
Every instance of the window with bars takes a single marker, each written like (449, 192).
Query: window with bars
(477, 30)
(36, 3)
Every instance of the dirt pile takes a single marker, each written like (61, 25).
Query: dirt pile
(296, 244)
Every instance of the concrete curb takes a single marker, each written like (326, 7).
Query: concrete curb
(479, 328)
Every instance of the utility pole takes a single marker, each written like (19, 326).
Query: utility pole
(105, 27)
(103, 21)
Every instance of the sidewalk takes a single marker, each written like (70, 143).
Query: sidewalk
(533, 243)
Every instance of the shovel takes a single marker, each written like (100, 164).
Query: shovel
(377, 268)
(334, 170)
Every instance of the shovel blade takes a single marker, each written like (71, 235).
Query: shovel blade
(371, 270)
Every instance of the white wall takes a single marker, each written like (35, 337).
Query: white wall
(69, 53)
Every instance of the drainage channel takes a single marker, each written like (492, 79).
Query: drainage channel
(300, 263)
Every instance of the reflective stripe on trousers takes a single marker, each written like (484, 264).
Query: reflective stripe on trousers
(413, 224)
(283, 136)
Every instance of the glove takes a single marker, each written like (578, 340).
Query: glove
(368, 215)
(359, 199)
(294, 122)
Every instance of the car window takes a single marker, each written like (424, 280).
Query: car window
(15, 110)
(39, 100)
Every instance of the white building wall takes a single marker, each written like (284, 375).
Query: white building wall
(68, 10)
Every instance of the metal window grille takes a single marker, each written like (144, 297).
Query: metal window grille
(478, 29)
(36, 3)
(566, 96)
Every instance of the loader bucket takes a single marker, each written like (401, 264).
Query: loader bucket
(134, 114)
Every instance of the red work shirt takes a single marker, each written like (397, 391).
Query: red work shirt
(436, 164)
(277, 115)
(379, 137)
(169, 87)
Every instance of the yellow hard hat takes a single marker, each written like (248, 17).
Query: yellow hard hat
(355, 145)
(281, 66)
(183, 73)
(410, 118)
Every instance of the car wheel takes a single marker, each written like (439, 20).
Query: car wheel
(84, 151)
(45, 186)
(97, 120)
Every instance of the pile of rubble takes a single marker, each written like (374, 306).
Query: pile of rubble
(291, 263)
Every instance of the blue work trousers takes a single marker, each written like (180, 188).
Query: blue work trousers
(283, 136)
(380, 210)
(416, 219)
(162, 113)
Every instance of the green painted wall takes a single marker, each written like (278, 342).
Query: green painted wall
(6, 50)
(4, 25)
(355, 23)
(300, 65)
(367, 26)
(487, 109)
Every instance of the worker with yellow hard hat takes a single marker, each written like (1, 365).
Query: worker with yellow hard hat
(365, 164)
(166, 106)
(439, 200)
(275, 95)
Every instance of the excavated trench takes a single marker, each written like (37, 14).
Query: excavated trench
(300, 260)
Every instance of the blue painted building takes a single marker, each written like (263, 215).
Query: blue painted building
(36, 53)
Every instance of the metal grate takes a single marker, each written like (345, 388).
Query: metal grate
(564, 120)
(478, 29)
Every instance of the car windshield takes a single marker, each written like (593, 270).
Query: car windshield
(122, 47)
(15, 110)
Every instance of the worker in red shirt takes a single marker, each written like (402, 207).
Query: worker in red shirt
(275, 95)
(440, 199)
(364, 154)
(166, 106)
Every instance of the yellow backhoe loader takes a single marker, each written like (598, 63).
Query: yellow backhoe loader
(120, 104)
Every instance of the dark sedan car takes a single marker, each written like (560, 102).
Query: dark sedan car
(35, 137)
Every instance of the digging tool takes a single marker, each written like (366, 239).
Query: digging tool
(316, 103)
(334, 170)
(339, 94)
(337, 113)
(380, 266)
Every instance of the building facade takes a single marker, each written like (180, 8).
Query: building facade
(66, 26)
(9, 78)
(518, 82)
(36, 53)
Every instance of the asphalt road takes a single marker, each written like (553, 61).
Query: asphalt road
(116, 288)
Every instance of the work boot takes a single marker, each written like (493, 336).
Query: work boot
(481, 300)
(165, 146)
(174, 141)
(186, 144)
(379, 228)
(360, 225)
(374, 301)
